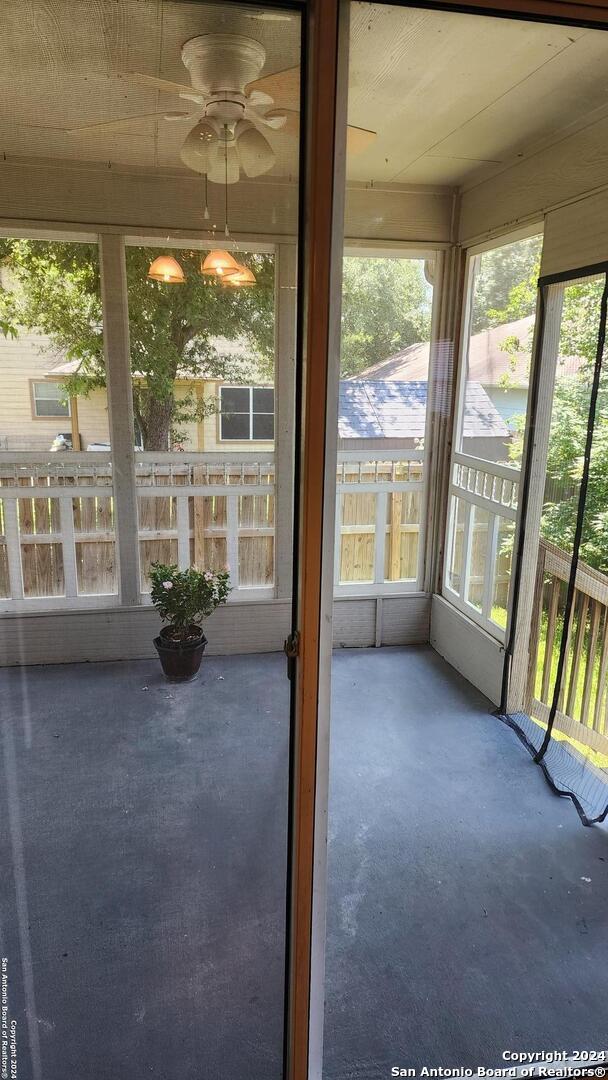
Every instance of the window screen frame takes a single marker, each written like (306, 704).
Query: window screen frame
(456, 599)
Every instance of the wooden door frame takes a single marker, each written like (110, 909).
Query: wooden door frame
(325, 82)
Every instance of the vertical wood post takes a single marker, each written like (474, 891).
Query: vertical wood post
(285, 360)
(120, 411)
(74, 423)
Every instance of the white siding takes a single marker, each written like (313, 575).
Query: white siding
(29, 357)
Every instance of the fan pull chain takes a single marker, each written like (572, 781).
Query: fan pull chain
(226, 229)
(206, 213)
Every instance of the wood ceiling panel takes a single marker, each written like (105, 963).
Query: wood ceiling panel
(418, 76)
(58, 72)
(553, 102)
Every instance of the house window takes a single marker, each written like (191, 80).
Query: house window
(246, 413)
(49, 399)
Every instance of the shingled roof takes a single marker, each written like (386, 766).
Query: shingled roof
(381, 409)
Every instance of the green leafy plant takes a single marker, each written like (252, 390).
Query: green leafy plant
(183, 598)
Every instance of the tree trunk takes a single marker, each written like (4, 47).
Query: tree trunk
(155, 421)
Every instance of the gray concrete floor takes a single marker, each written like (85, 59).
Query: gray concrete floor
(142, 898)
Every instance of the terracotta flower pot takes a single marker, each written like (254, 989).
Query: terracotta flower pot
(180, 660)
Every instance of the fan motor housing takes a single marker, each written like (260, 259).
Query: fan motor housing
(223, 62)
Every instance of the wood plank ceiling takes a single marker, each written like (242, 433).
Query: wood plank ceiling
(454, 98)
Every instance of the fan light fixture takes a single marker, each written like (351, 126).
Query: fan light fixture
(243, 276)
(167, 269)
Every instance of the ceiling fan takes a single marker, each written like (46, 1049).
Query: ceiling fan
(232, 107)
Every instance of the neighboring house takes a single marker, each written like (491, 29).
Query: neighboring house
(372, 411)
(33, 411)
(503, 375)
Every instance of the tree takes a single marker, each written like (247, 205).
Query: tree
(54, 288)
(386, 305)
(505, 283)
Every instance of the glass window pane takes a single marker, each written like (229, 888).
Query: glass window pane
(502, 571)
(50, 313)
(458, 510)
(402, 538)
(478, 568)
(235, 426)
(51, 406)
(263, 399)
(263, 426)
(235, 399)
(499, 350)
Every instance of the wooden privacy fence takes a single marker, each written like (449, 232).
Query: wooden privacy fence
(58, 530)
(583, 696)
(378, 520)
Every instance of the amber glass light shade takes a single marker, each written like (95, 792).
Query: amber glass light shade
(166, 268)
(220, 263)
(244, 276)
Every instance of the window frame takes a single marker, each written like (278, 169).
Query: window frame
(49, 416)
(459, 599)
(250, 388)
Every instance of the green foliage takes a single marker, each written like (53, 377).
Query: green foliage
(186, 597)
(55, 289)
(505, 284)
(565, 466)
(386, 305)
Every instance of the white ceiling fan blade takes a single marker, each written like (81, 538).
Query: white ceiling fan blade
(358, 139)
(274, 122)
(108, 124)
(151, 81)
(257, 98)
(283, 86)
(286, 119)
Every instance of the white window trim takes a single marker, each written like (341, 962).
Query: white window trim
(250, 438)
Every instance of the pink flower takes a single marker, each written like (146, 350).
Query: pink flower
(208, 575)
(167, 584)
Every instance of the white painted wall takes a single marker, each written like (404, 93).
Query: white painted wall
(477, 656)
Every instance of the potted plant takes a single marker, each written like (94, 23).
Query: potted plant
(183, 598)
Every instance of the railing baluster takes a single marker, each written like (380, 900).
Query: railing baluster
(13, 548)
(183, 532)
(232, 538)
(590, 661)
(380, 537)
(550, 637)
(601, 679)
(579, 640)
(68, 546)
(536, 625)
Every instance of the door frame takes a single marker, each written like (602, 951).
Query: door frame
(325, 81)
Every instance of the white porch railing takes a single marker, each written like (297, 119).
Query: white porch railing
(481, 524)
(58, 530)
